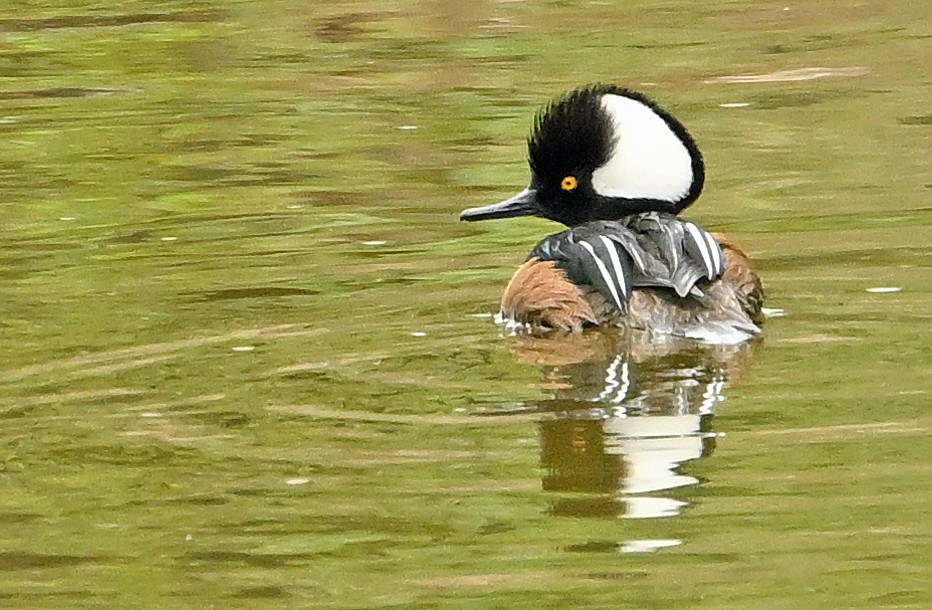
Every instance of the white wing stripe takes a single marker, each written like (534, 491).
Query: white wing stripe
(616, 264)
(604, 272)
(716, 253)
(637, 258)
(696, 234)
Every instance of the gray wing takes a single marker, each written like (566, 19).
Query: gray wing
(593, 258)
(668, 251)
(645, 250)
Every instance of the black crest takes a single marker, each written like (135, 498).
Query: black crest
(571, 133)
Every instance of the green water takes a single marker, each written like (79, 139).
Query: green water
(243, 361)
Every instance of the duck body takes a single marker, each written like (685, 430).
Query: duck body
(617, 169)
(650, 271)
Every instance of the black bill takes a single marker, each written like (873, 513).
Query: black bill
(522, 204)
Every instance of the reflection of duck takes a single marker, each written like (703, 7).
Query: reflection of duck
(615, 168)
(625, 413)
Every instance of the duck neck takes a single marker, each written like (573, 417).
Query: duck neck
(610, 208)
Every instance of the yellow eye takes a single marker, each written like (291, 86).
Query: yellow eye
(569, 183)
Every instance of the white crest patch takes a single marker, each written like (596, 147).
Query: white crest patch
(649, 161)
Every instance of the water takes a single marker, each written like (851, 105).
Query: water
(246, 356)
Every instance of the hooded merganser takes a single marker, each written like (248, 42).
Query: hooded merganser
(616, 169)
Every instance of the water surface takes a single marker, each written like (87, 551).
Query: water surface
(246, 357)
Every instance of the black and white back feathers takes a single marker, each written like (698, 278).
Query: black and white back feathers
(646, 250)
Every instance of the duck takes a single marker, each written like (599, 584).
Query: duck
(617, 170)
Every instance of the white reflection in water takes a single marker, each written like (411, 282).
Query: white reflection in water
(653, 449)
(651, 507)
(647, 546)
(621, 424)
(654, 446)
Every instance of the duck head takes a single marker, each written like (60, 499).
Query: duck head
(603, 152)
